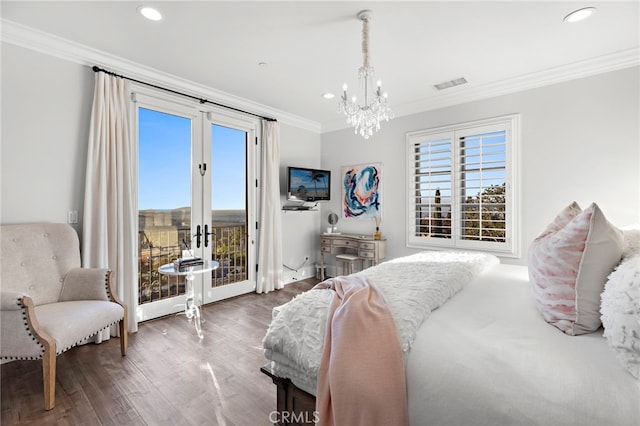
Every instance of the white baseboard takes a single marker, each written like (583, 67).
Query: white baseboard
(289, 277)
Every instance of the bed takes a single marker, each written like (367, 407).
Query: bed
(500, 364)
(482, 356)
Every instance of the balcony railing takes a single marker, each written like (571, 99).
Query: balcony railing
(158, 246)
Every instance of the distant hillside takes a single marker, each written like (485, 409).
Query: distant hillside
(181, 216)
(228, 217)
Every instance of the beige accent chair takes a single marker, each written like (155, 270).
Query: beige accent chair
(50, 304)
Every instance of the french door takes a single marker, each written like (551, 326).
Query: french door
(194, 199)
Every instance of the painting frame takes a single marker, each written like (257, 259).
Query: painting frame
(361, 190)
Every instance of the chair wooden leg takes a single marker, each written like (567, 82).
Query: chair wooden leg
(49, 378)
(48, 357)
(124, 335)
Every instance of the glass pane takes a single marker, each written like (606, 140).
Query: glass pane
(164, 200)
(433, 189)
(229, 204)
(482, 187)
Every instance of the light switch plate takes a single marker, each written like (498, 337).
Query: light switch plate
(72, 216)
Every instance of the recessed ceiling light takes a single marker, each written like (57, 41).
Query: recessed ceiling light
(328, 95)
(150, 13)
(580, 14)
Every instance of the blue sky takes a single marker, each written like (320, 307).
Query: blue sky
(165, 163)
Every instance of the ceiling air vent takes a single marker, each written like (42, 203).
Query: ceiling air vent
(450, 83)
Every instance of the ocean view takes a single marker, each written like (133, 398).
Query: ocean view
(181, 217)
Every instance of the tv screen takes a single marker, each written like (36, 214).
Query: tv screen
(308, 184)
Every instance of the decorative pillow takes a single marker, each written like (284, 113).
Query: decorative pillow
(569, 267)
(631, 240)
(621, 313)
(560, 221)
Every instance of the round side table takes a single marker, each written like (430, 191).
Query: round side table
(191, 309)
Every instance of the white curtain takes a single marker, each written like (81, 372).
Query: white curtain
(110, 206)
(270, 234)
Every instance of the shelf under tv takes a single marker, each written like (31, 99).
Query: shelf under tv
(298, 208)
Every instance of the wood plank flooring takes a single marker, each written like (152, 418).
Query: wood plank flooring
(169, 376)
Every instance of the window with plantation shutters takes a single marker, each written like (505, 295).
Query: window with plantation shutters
(462, 190)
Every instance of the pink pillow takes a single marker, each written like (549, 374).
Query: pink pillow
(560, 221)
(568, 267)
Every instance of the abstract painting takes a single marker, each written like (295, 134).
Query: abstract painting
(362, 191)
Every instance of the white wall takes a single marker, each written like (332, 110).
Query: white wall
(580, 141)
(46, 109)
(300, 236)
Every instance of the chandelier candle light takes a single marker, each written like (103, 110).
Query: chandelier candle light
(366, 117)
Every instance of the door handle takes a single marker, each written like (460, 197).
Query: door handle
(198, 236)
(206, 235)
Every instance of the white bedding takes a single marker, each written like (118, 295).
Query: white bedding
(412, 287)
(488, 358)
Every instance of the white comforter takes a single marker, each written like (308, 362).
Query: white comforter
(488, 358)
(412, 286)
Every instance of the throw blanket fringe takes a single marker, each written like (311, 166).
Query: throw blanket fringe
(361, 379)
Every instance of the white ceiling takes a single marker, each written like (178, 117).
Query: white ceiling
(313, 47)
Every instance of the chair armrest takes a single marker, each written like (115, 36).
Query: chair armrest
(86, 284)
(22, 336)
(11, 300)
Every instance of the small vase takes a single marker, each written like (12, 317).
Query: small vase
(377, 235)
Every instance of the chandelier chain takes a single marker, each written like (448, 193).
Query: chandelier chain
(366, 117)
(365, 43)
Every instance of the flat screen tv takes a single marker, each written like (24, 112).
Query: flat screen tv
(308, 184)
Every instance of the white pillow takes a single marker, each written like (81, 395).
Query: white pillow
(620, 311)
(568, 267)
(631, 242)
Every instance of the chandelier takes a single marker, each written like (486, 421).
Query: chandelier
(366, 117)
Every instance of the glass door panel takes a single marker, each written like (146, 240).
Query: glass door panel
(231, 210)
(164, 208)
(229, 204)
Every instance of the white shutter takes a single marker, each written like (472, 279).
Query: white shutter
(482, 179)
(462, 185)
(431, 187)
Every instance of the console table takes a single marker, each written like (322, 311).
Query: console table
(364, 246)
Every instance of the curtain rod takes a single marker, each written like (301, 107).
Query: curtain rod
(201, 100)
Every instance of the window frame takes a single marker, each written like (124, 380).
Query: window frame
(510, 124)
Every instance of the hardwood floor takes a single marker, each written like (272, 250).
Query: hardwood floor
(169, 376)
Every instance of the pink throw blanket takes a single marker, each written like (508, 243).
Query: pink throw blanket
(361, 378)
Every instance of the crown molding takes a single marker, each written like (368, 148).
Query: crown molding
(52, 45)
(467, 93)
